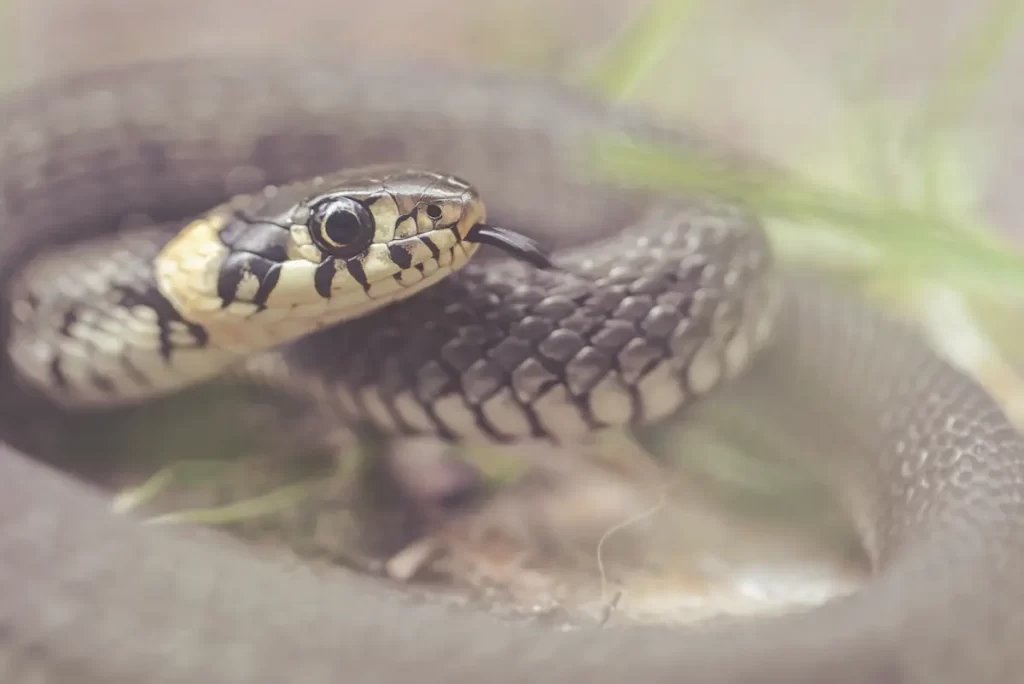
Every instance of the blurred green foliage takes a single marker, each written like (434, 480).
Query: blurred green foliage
(907, 243)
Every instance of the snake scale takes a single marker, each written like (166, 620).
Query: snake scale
(928, 466)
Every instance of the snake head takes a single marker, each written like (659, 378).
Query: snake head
(304, 256)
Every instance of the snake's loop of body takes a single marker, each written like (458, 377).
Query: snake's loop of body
(654, 301)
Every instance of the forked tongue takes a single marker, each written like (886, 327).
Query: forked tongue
(510, 242)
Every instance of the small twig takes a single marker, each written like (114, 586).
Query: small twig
(633, 520)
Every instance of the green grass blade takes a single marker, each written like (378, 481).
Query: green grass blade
(644, 44)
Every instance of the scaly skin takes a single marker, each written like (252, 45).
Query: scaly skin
(928, 466)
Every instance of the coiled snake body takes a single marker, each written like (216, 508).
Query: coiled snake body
(652, 302)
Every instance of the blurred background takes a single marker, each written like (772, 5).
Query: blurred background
(902, 123)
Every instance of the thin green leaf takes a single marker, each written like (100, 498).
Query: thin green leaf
(644, 44)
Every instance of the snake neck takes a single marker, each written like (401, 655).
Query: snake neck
(89, 327)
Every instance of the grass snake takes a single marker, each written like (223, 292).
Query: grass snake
(652, 301)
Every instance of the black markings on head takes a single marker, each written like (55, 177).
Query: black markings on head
(239, 265)
(267, 240)
(401, 254)
(323, 277)
(230, 276)
(355, 269)
(234, 231)
(165, 315)
(267, 284)
(434, 251)
(198, 332)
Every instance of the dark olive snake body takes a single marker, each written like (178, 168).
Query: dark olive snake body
(928, 466)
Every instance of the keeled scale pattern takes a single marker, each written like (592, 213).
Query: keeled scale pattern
(617, 337)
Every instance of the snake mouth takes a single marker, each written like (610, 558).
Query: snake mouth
(511, 242)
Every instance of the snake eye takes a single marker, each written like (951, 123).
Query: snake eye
(434, 211)
(341, 226)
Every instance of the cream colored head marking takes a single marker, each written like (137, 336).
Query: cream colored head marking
(303, 257)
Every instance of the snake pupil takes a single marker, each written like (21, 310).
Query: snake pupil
(341, 226)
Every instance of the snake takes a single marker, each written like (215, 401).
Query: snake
(431, 251)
